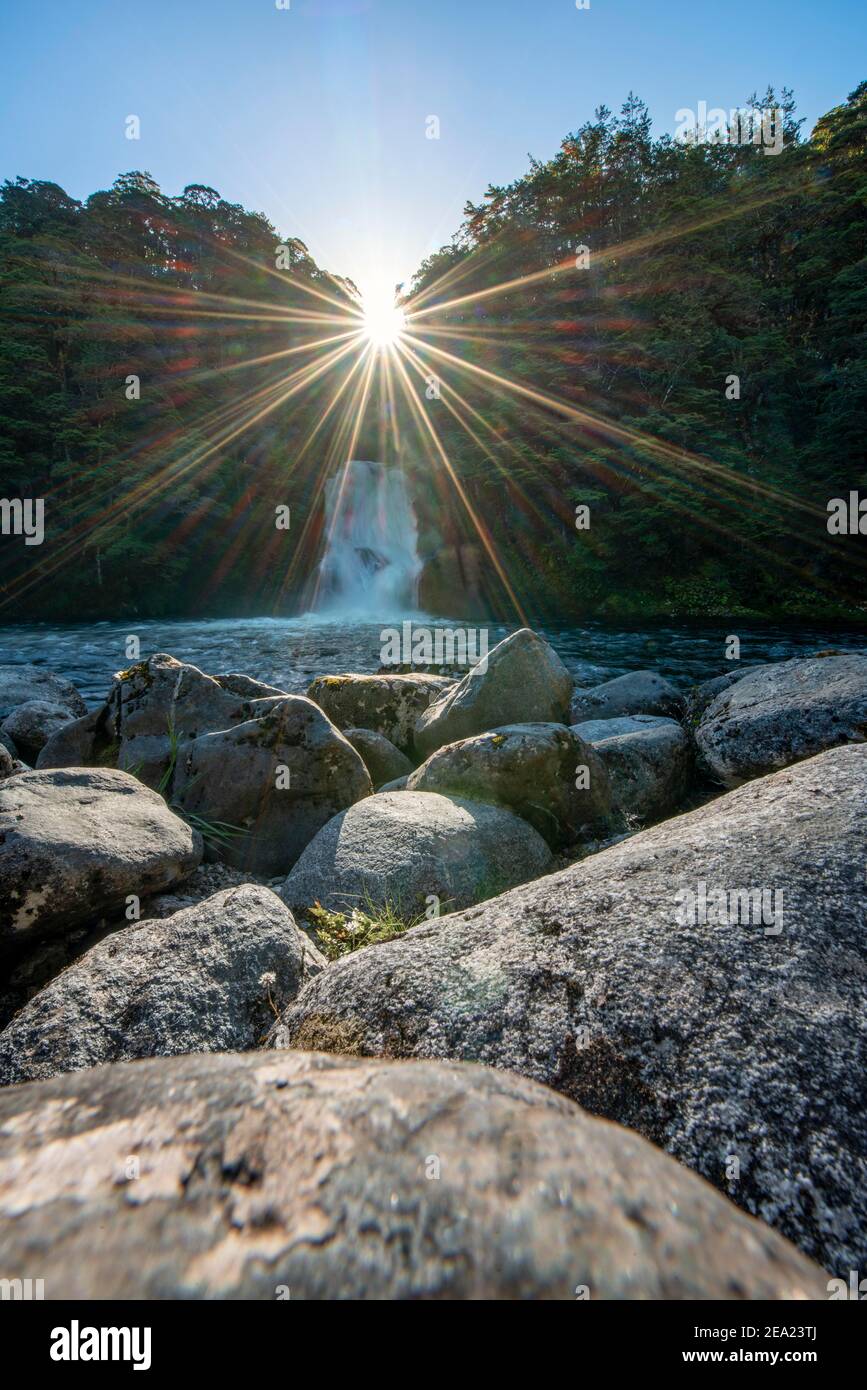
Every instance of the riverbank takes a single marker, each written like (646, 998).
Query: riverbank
(208, 864)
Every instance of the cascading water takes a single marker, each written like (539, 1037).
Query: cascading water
(371, 565)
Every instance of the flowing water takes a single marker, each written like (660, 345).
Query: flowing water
(289, 652)
(368, 580)
(370, 568)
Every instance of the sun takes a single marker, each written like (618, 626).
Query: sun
(384, 321)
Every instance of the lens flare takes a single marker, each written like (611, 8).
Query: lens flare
(384, 322)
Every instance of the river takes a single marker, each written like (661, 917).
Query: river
(289, 652)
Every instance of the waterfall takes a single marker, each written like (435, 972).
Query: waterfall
(371, 566)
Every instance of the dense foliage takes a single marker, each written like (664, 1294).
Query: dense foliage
(162, 504)
(706, 260)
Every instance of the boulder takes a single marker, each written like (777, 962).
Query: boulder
(538, 771)
(150, 709)
(269, 784)
(21, 684)
(7, 762)
(247, 688)
(387, 704)
(698, 699)
(522, 681)
(638, 692)
(32, 724)
(74, 842)
(34, 968)
(719, 1042)
(779, 714)
(161, 703)
(596, 730)
(402, 848)
(383, 761)
(27, 971)
(255, 816)
(649, 761)
(82, 742)
(207, 979)
(273, 1176)
(397, 785)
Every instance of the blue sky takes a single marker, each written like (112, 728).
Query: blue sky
(316, 115)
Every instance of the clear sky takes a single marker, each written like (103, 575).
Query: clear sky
(316, 115)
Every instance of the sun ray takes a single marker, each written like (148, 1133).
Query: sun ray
(424, 420)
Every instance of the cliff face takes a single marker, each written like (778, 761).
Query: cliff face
(451, 582)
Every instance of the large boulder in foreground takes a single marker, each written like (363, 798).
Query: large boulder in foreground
(648, 759)
(779, 714)
(270, 783)
(74, 842)
(638, 692)
(206, 979)
(387, 704)
(716, 1041)
(522, 681)
(542, 772)
(402, 848)
(309, 1177)
(21, 684)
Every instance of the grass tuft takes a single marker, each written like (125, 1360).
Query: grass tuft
(338, 934)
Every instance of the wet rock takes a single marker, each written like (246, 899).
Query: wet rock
(82, 742)
(247, 688)
(32, 724)
(269, 785)
(160, 703)
(649, 761)
(638, 692)
(21, 684)
(383, 761)
(387, 704)
(698, 699)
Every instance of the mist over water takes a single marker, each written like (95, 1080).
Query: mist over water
(371, 567)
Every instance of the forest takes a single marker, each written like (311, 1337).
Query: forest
(670, 334)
